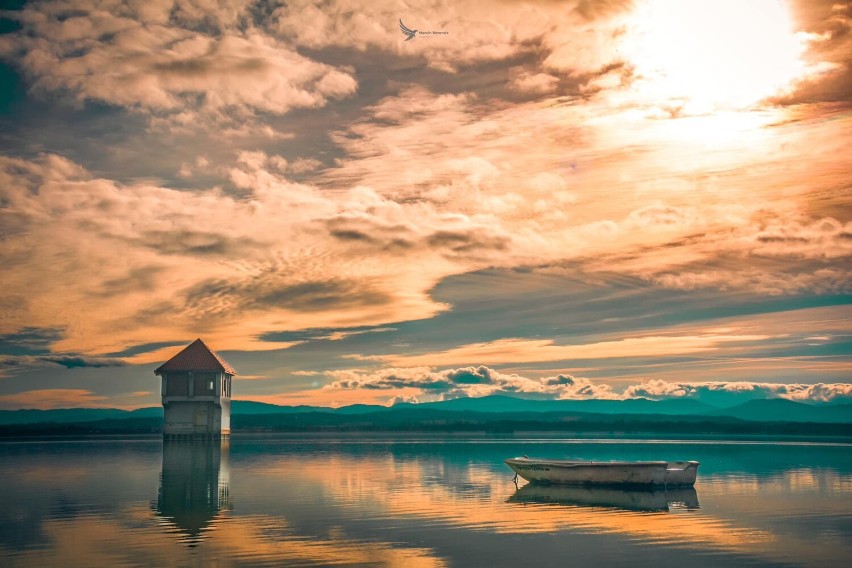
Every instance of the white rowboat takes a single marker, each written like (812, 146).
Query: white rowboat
(682, 474)
(648, 473)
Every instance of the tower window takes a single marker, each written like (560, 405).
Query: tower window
(210, 385)
(177, 384)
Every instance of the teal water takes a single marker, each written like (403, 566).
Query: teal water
(285, 501)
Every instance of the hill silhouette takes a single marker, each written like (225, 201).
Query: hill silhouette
(503, 403)
(498, 413)
(780, 409)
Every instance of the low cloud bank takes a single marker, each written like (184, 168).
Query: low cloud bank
(482, 381)
(722, 392)
(469, 381)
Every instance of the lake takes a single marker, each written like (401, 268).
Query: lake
(291, 501)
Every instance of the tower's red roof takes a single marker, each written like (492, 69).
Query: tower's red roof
(196, 357)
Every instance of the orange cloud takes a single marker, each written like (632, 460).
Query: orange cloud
(517, 350)
(45, 399)
(232, 285)
(335, 398)
(425, 180)
(119, 58)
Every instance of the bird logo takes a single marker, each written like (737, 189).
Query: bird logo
(408, 33)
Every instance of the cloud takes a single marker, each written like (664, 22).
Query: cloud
(537, 152)
(629, 195)
(220, 60)
(769, 253)
(825, 26)
(192, 242)
(29, 341)
(54, 398)
(415, 377)
(539, 83)
(729, 393)
(163, 264)
(343, 334)
(402, 400)
(518, 350)
(67, 361)
(476, 31)
(774, 282)
(483, 381)
(169, 63)
(465, 381)
(325, 334)
(219, 297)
(791, 236)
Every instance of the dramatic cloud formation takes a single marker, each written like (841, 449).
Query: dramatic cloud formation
(618, 189)
(168, 57)
(826, 25)
(242, 260)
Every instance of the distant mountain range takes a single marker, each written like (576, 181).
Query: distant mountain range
(768, 410)
(779, 409)
(72, 415)
(502, 403)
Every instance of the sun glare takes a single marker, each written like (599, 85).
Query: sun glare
(703, 55)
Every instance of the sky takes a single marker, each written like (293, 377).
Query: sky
(577, 199)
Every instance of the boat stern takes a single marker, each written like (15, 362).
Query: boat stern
(682, 474)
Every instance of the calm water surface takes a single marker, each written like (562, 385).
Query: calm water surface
(292, 502)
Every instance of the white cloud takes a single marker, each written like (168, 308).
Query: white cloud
(466, 381)
(483, 381)
(739, 391)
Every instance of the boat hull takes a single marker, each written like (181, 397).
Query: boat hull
(590, 473)
(681, 474)
(646, 474)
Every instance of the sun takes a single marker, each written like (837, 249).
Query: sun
(705, 55)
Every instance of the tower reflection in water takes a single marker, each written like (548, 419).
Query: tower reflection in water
(193, 487)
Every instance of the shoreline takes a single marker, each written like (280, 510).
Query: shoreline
(540, 437)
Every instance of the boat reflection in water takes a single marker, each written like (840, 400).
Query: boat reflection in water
(628, 499)
(193, 487)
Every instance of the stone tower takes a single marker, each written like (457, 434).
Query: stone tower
(196, 391)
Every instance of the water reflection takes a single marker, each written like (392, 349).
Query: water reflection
(194, 487)
(318, 502)
(463, 489)
(627, 499)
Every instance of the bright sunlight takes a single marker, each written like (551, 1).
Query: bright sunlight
(701, 56)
